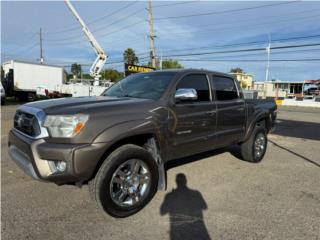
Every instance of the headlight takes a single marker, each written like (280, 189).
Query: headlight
(65, 125)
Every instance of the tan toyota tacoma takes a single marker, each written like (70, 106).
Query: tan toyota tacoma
(119, 142)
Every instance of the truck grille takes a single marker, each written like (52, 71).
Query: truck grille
(27, 123)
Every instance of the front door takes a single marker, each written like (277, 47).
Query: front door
(193, 122)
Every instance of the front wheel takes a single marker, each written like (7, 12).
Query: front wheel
(126, 181)
(254, 149)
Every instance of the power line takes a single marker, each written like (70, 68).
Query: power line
(228, 29)
(222, 28)
(121, 19)
(119, 10)
(262, 53)
(173, 4)
(243, 50)
(97, 19)
(225, 11)
(108, 33)
(115, 12)
(104, 27)
(123, 28)
(252, 54)
(250, 60)
(242, 20)
(245, 43)
(130, 25)
(21, 48)
(193, 59)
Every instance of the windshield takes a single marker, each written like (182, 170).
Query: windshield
(143, 85)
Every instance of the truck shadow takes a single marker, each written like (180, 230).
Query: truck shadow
(185, 208)
(194, 158)
(297, 129)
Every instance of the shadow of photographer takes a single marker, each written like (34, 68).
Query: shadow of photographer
(185, 208)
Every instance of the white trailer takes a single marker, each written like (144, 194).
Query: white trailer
(26, 80)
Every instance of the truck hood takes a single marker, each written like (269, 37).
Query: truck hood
(83, 104)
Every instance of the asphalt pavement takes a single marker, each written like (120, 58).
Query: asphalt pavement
(217, 196)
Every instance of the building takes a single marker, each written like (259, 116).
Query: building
(245, 79)
(279, 89)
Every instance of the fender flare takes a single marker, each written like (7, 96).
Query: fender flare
(258, 118)
(154, 145)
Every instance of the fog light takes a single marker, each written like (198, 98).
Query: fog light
(61, 166)
(57, 166)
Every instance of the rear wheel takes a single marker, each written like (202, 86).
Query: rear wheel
(254, 149)
(126, 181)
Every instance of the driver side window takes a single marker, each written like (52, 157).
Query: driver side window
(199, 82)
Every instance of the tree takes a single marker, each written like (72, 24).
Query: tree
(243, 85)
(76, 70)
(236, 70)
(112, 74)
(86, 76)
(129, 57)
(169, 63)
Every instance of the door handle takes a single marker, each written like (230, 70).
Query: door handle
(211, 113)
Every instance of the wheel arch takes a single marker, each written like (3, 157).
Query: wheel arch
(263, 120)
(148, 140)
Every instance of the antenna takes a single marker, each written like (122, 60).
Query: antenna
(41, 50)
(268, 49)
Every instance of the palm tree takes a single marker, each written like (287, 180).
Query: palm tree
(76, 70)
(167, 64)
(130, 57)
(236, 70)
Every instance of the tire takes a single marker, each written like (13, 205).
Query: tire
(248, 148)
(102, 188)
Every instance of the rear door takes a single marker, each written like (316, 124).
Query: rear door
(231, 112)
(195, 121)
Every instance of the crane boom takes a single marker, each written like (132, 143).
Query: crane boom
(101, 56)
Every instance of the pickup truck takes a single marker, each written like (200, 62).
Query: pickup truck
(118, 142)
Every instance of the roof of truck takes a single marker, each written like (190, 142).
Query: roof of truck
(31, 63)
(193, 70)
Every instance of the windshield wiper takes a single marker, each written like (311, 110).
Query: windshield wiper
(128, 95)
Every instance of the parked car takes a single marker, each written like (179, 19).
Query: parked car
(119, 142)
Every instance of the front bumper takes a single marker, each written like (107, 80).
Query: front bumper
(35, 158)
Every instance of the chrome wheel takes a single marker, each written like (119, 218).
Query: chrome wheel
(259, 145)
(130, 183)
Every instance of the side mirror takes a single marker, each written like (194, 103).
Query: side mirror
(186, 94)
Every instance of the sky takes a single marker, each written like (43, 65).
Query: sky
(212, 35)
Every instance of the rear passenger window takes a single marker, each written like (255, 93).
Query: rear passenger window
(225, 88)
(199, 82)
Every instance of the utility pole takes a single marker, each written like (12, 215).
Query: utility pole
(151, 36)
(268, 60)
(41, 50)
